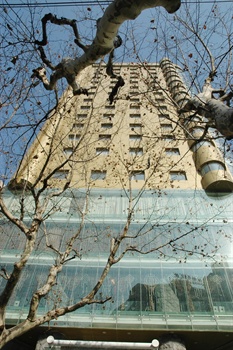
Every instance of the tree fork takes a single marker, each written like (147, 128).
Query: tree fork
(104, 42)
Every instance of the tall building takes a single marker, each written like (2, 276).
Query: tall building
(132, 165)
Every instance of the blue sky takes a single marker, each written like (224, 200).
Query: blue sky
(145, 34)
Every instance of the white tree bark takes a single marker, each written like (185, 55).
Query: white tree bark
(215, 110)
(171, 342)
(116, 13)
(222, 116)
(172, 345)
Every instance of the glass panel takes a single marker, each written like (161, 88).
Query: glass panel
(211, 166)
(132, 106)
(82, 116)
(102, 151)
(137, 175)
(136, 151)
(135, 115)
(168, 138)
(106, 125)
(178, 175)
(135, 137)
(171, 288)
(172, 151)
(68, 151)
(74, 137)
(166, 127)
(98, 175)
(105, 137)
(109, 116)
(135, 127)
(78, 125)
(60, 174)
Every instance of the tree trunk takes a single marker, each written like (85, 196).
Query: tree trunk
(171, 342)
(215, 110)
(116, 13)
(222, 116)
(172, 345)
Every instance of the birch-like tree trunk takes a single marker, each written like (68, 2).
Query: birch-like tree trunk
(172, 345)
(172, 342)
(116, 13)
(216, 111)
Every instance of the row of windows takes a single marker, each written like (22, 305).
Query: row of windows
(150, 68)
(162, 117)
(131, 106)
(136, 175)
(133, 126)
(133, 151)
(135, 137)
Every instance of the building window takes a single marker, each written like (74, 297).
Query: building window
(110, 107)
(135, 127)
(136, 100)
(98, 175)
(172, 151)
(92, 88)
(168, 138)
(104, 137)
(85, 107)
(158, 94)
(166, 127)
(82, 116)
(60, 174)
(104, 151)
(135, 115)
(211, 166)
(136, 151)
(162, 108)
(108, 115)
(74, 137)
(178, 176)
(87, 100)
(135, 137)
(163, 117)
(68, 150)
(106, 125)
(133, 81)
(132, 106)
(78, 125)
(137, 175)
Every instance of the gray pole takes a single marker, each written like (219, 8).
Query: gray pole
(154, 345)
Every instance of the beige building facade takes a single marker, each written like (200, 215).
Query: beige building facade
(138, 140)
